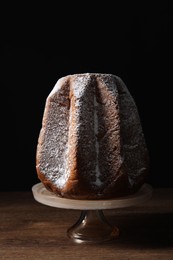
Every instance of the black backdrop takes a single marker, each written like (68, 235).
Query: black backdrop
(133, 44)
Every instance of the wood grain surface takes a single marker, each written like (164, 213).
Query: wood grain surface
(30, 230)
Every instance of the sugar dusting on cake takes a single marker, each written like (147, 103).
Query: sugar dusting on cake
(68, 129)
(53, 157)
(83, 86)
(97, 182)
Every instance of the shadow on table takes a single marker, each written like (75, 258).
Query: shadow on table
(144, 231)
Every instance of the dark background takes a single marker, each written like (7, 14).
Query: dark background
(133, 42)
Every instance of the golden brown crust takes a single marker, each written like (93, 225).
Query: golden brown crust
(91, 144)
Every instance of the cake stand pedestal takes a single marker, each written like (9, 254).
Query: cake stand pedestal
(92, 226)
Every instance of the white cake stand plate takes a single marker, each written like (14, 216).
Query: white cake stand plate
(92, 226)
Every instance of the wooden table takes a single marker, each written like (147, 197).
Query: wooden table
(30, 230)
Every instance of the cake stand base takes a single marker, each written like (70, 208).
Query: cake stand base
(92, 226)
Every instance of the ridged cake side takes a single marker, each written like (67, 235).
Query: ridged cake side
(91, 143)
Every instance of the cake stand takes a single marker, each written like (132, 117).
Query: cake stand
(92, 226)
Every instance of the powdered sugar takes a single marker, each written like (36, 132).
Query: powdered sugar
(97, 181)
(87, 137)
(79, 86)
